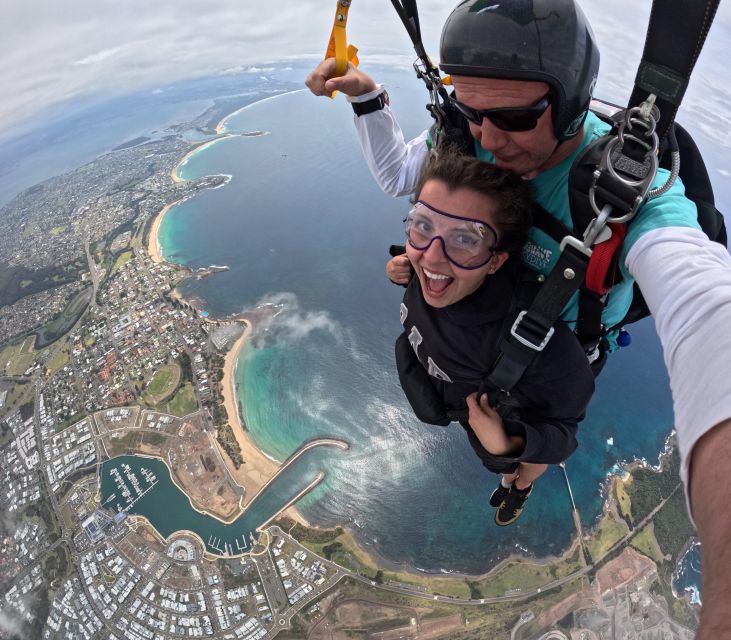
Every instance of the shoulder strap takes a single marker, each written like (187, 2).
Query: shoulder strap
(675, 37)
(550, 225)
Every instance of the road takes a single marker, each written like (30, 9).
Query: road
(523, 595)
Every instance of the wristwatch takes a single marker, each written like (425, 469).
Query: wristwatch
(369, 106)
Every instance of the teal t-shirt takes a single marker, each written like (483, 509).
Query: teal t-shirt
(541, 252)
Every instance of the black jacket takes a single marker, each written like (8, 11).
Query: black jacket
(457, 344)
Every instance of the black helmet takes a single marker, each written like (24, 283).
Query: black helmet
(540, 40)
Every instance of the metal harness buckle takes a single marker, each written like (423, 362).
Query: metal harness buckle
(525, 341)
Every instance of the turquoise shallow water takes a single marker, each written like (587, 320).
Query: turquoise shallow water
(169, 510)
(301, 223)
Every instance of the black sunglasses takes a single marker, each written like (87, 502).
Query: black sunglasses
(506, 118)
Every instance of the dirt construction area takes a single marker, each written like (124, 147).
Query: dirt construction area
(197, 468)
(377, 621)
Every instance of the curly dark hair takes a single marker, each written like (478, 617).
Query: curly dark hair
(513, 194)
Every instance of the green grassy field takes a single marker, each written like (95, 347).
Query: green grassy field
(27, 346)
(162, 385)
(183, 402)
(123, 259)
(59, 353)
(621, 497)
(605, 535)
(16, 397)
(16, 357)
(524, 575)
(645, 543)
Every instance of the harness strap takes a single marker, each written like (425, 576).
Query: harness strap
(601, 275)
(589, 327)
(547, 223)
(602, 269)
(409, 14)
(439, 104)
(337, 46)
(533, 328)
(675, 37)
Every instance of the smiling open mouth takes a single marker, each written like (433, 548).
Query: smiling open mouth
(436, 283)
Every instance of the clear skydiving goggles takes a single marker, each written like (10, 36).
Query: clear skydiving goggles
(466, 243)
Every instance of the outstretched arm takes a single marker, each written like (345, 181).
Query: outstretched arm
(686, 280)
(710, 494)
(394, 163)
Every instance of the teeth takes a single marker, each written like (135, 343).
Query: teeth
(435, 276)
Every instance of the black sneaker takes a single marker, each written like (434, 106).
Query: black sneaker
(511, 508)
(497, 497)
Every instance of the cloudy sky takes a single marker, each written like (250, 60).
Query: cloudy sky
(53, 50)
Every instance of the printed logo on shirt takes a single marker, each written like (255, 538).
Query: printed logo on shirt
(536, 257)
(436, 372)
(404, 313)
(415, 339)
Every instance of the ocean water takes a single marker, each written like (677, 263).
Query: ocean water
(302, 223)
(70, 134)
(687, 578)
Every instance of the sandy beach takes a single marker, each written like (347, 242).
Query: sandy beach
(204, 145)
(258, 468)
(153, 246)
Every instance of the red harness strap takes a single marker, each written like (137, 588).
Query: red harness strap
(602, 269)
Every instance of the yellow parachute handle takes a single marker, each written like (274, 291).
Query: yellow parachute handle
(338, 47)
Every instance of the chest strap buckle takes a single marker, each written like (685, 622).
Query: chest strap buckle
(535, 329)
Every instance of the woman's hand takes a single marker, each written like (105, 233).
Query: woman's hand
(399, 270)
(488, 427)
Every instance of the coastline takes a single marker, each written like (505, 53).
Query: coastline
(258, 468)
(153, 244)
(154, 249)
(221, 126)
(199, 147)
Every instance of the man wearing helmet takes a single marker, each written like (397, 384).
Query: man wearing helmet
(523, 74)
(527, 153)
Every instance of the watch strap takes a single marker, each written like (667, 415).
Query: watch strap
(369, 106)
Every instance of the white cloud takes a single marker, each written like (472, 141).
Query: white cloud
(53, 51)
(95, 58)
(10, 625)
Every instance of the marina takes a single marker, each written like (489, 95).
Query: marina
(137, 485)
